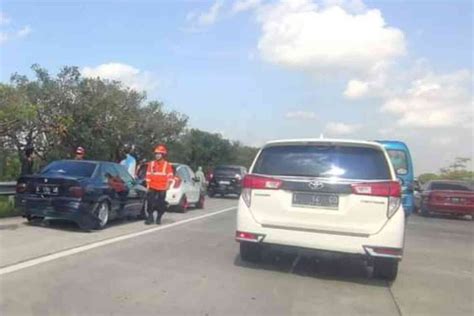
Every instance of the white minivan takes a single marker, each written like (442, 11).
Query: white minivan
(332, 195)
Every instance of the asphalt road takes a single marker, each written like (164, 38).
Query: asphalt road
(190, 266)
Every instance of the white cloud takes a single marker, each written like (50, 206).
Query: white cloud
(442, 141)
(245, 5)
(4, 19)
(3, 37)
(355, 6)
(356, 89)
(207, 18)
(339, 128)
(23, 32)
(435, 101)
(128, 75)
(301, 115)
(324, 40)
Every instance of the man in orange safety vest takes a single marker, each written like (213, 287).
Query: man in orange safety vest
(159, 176)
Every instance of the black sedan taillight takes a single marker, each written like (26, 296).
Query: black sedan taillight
(21, 187)
(76, 191)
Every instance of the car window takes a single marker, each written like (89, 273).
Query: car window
(323, 161)
(124, 174)
(399, 161)
(449, 186)
(80, 169)
(183, 173)
(227, 171)
(192, 175)
(108, 171)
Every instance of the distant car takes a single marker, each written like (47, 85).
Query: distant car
(226, 179)
(448, 197)
(339, 196)
(89, 193)
(185, 190)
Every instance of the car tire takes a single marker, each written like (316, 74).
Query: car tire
(386, 269)
(201, 202)
(102, 212)
(250, 252)
(182, 207)
(33, 219)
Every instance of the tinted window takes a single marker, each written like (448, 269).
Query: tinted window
(77, 169)
(227, 170)
(123, 174)
(449, 186)
(323, 161)
(399, 161)
(183, 173)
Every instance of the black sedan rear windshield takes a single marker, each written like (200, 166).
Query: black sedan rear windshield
(77, 169)
(323, 161)
(224, 170)
(450, 186)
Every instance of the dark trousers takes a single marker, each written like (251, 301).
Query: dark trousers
(156, 203)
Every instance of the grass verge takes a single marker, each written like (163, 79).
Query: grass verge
(7, 208)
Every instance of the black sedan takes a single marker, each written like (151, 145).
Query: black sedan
(89, 193)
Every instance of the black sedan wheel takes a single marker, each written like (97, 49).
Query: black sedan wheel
(102, 212)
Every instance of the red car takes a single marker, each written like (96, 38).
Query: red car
(448, 197)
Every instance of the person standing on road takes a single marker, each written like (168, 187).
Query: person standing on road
(159, 176)
(129, 162)
(202, 179)
(80, 153)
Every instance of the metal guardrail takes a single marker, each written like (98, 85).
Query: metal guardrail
(7, 188)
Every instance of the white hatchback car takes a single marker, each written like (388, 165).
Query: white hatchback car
(331, 195)
(185, 190)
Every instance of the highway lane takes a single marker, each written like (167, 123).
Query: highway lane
(194, 269)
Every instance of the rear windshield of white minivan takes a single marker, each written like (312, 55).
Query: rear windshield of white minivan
(345, 162)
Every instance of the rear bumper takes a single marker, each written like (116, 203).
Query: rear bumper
(69, 209)
(226, 189)
(449, 208)
(390, 237)
(173, 197)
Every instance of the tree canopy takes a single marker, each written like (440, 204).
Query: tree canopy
(55, 114)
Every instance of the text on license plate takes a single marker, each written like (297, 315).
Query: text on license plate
(224, 182)
(47, 190)
(316, 200)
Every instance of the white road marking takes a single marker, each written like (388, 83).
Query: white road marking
(76, 250)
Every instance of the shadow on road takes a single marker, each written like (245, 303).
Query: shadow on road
(337, 269)
(58, 224)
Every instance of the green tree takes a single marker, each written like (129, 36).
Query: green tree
(425, 177)
(458, 170)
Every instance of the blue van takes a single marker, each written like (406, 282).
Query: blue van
(403, 165)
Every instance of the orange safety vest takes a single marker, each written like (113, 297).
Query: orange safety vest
(159, 175)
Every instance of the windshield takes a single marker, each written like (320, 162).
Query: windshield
(77, 169)
(223, 170)
(323, 161)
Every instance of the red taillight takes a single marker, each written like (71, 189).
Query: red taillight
(384, 252)
(389, 188)
(177, 182)
(21, 188)
(76, 192)
(244, 236)
(258, 182)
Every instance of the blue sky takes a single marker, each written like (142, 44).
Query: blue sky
(259, 70)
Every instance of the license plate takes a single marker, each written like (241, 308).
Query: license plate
(224, 182)
(47, 190)
(456, 200)
(316, 200)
